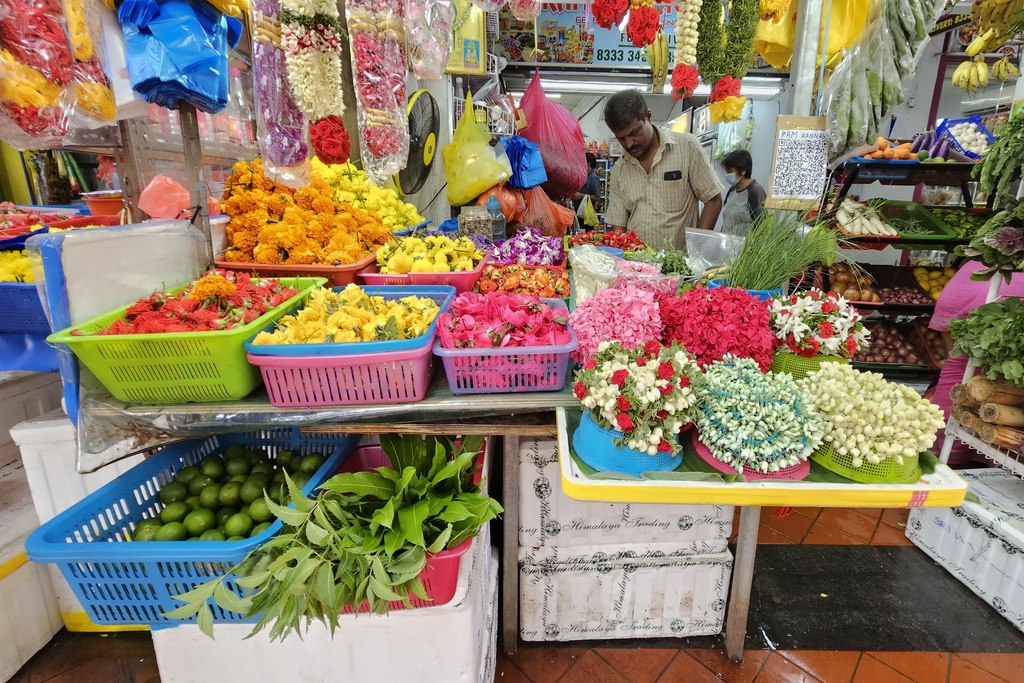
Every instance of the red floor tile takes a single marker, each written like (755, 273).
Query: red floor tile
(766, 535)
(735, 672)
(962, 670)
(591, 668)
(808, 512)
(871, 670)
(824, 535)
(686, 669)
(873, 513)
(896, 517)
(778, 669)
(638, 665)
(1008, 666)
(922, 667)
(849, 522)
(828, 665)
(506, 672)
(546, 664)
(792, 526)
(888, 535)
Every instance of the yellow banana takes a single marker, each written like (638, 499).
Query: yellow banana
(982, 71)
(978, 44)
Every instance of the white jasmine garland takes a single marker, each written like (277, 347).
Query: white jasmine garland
(749, 419)
(868, 418)
(818, 323)
(312, 49)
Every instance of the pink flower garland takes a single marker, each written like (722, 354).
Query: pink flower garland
(627, 314)
(711, 323)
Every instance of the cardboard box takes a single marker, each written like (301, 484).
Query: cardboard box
(982, 541)
(638, 591)
(549, 517)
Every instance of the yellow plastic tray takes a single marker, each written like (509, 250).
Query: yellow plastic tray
(942, 488)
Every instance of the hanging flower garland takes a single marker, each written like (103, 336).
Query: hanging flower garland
(608, 13)
(93, 93)
(724, 62)
(684, 75)
(311, 43)
(644, 23)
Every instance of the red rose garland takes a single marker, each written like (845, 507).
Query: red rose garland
(644, 23)
(330, 140)
(684, 81)
(726, 86)
(608, 13)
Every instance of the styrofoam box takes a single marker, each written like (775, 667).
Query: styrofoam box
(22, 396)
(451, 643)
(982, 541)
(48, 452)
(29, 616)
(549, 517)
(639, 591)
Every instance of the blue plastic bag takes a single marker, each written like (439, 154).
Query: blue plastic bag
(527, 165)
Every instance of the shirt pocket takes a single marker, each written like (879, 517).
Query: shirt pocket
(672, 193)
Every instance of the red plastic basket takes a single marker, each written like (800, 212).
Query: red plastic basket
(105, 221)
(337, 276)
(440, 577)
(461, 281)
(368, 378)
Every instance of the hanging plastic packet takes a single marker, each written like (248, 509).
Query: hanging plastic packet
(525, 10)
(471, 165)
(377, 37)
(560, 139)
(429, 27)
(93, 94)
(489, 5)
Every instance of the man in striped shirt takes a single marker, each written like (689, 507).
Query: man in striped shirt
(658, 185)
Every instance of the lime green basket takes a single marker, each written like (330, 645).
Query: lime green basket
(886, 472)
(176, 367)
(801, 366)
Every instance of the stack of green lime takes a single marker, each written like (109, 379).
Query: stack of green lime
(222, 497)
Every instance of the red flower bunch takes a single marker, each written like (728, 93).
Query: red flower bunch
(724, 87)
(711, 323)
(220, 300)
(383, 140)
(608, 13)
(627, 241)
(330, 140)
(500, 320)
(684, 81)
(643, 26)
(380, 71)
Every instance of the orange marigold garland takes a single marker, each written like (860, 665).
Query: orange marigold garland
(644, 22)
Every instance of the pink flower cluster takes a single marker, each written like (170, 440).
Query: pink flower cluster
(500, 320)
(625, 314)
(711, 323)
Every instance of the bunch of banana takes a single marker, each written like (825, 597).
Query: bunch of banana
(1004, 69)
(984, 42)
(971, 75)
(998, 15)
(657, 57)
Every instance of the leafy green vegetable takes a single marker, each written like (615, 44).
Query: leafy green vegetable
(993, 335)
(999, 244)
(1001, 166)
(364, 537)
(778, 247)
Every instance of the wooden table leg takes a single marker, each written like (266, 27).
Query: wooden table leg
(510, 547)
(742, 577)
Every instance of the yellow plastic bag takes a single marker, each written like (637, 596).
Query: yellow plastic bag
(588, 216)
(471, 165)
(774, 41)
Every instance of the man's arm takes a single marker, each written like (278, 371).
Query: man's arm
(616, 215)
(709, 214)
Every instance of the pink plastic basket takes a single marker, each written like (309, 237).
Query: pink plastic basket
(796, 472)
(302, 381)
(462, 281)
(508, 370)
(440, 577)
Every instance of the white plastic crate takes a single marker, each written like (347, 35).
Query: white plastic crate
(604, 592)
(549, 517)
(23, 396)
(981, 542)
(29, 616)
(453, 643)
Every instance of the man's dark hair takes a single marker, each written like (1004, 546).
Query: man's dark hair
(591, 160)
(623, 108)
(740, 160)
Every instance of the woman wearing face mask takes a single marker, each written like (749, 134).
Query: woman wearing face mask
(745, 196)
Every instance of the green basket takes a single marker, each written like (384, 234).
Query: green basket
(801, 366)
(886, 472)
(176, 367)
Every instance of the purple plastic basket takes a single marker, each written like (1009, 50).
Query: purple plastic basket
(357, 379)
(508, 370)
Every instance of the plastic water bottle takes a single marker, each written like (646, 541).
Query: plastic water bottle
(497, 218)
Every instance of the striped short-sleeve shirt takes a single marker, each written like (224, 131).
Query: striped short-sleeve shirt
(659, 205)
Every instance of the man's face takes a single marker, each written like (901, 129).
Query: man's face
(637, 137)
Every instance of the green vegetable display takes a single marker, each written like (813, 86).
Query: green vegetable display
(993, 335)
(965, 223)
(672, 261)
(1002, 163)
(999, 244)
(777, 248)
(364, 537)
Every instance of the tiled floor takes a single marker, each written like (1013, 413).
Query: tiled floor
(128, 658)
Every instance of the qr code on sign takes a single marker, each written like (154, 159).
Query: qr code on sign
(800, 164)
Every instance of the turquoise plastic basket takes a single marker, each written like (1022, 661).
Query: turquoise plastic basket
(596, 446)
(123, 582)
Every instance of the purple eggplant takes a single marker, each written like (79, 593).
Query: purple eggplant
(943, 148)
(918, 141)
(933, 151)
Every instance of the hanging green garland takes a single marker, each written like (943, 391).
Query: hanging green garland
(724, 54)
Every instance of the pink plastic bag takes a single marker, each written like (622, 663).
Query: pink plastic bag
(167, 198)
(558, 135)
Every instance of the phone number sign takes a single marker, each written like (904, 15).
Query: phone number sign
(612, 47)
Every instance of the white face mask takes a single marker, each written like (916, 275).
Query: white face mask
(731, 178)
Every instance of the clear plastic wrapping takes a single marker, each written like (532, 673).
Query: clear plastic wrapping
(489, 5)
(429, 27)
(379, 67)
(525, 10)
(93, 94)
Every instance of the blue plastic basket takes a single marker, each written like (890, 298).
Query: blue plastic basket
(405, 232)
(944, 130)
(19, 240)
(613, 251)
(442, 295)
(595, 446)
(759, 294)
(124, 582)
(20, 308)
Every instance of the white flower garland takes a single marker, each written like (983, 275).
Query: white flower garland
(313, 57)
(686, 30)
(803, 317)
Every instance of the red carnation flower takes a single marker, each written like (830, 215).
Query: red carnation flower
(684, 382)
(608, 13)
(664, 447)
(726, 86)
(666, 370)
(662, 414)
(829, 307)
(330, 140)
(811, 350)
(825, 329)
(624, 403)
(579, 390)
(667, 389)
(851, 345)
(684, 81)
(619, 377)
(624, 423)
(590, 364)
(652, 348)
(643, 26)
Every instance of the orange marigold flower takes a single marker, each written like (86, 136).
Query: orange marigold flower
(211, 286)
(264, 253)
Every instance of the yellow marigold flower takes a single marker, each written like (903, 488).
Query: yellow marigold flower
(97, 100)
(728, 110)
(235, 255)
(244, 240)
(264, 253)
(323, 205)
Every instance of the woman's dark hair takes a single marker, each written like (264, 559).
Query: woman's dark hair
(591, 160)
(623, 108)
(740, 160)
